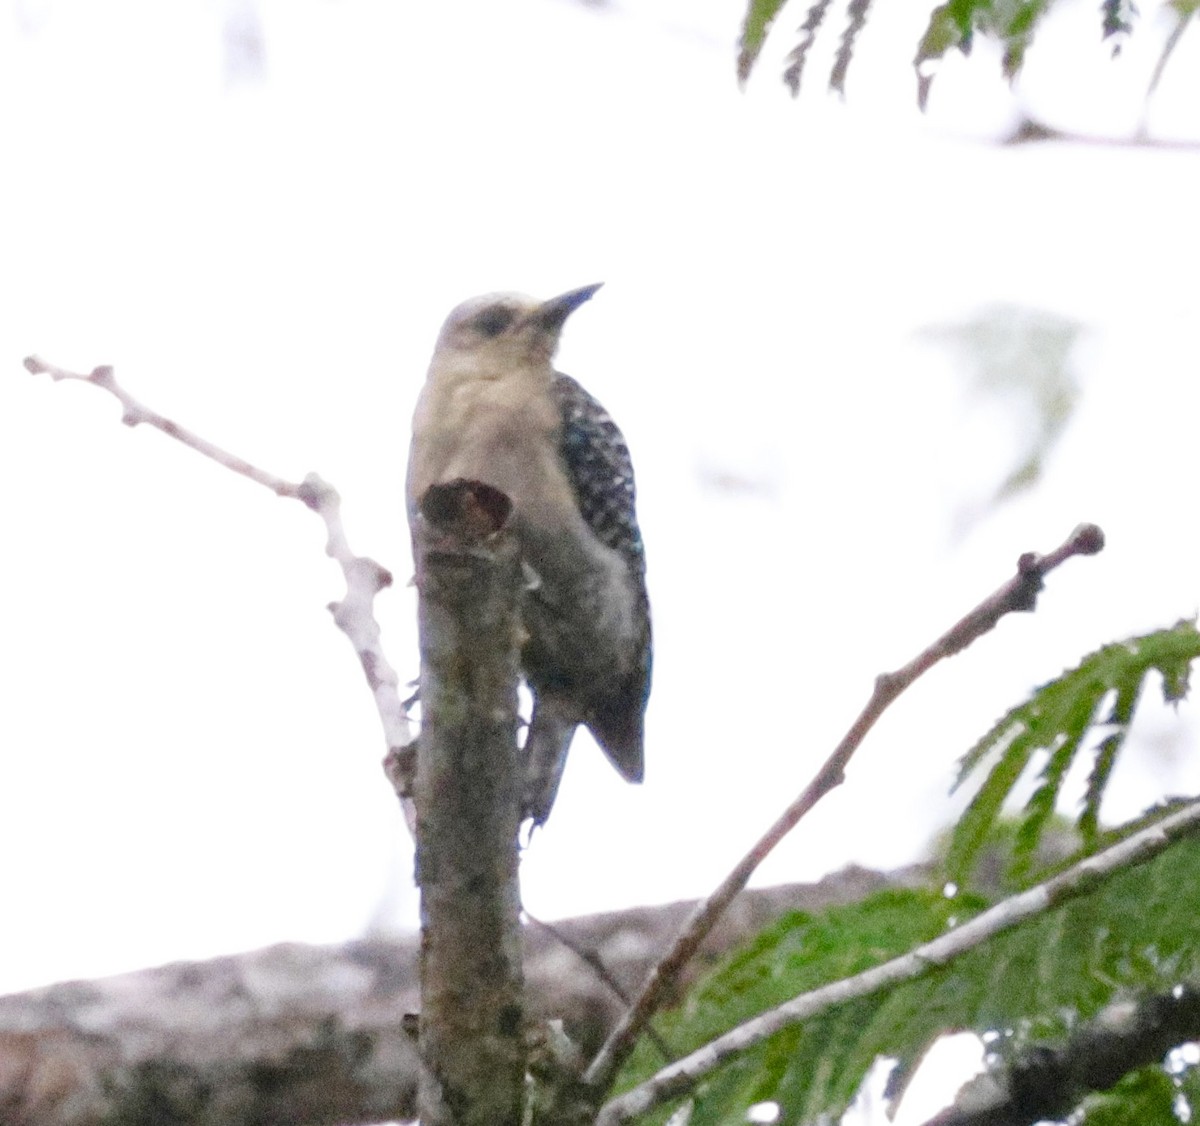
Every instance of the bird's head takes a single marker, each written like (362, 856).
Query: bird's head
(495, 333)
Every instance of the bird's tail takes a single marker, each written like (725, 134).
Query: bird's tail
(618, 731)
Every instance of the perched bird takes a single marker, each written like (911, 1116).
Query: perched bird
(493, 409)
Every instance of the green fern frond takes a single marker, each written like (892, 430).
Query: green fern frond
(953, 26)
(1055, 721)
(798, 953)
(1134, 934)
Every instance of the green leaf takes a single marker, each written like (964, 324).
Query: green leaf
(1055, 720)
(799, 54)
(951, 25)
(759, 17)
(1144, 1098)
(1089, 819)
(1012, 22)
(1017, 34)
(1106, 759)
(856, 19)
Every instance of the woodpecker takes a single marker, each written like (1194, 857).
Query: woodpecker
(493, 409)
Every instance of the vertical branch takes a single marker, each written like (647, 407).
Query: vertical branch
(468, 810)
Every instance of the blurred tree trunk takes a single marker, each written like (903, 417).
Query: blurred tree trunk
(313, 1034)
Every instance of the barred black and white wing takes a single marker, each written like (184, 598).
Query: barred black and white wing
(601, 473)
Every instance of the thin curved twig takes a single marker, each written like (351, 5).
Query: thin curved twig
(591, 958)
(354, 614)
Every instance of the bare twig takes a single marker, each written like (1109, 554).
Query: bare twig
(1081, 879)
(591, 958)
(588, 957)
(354, 614)
(135, 413)
(1019, 593)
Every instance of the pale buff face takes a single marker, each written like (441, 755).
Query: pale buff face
(493, 334)
(487, 411)
(502, 332)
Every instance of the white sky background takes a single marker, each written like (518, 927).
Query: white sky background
(191, 758)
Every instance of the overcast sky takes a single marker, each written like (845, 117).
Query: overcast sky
(260, 214)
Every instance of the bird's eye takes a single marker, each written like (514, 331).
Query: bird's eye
(493, 321)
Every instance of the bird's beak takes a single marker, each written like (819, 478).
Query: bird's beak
(552, 315)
